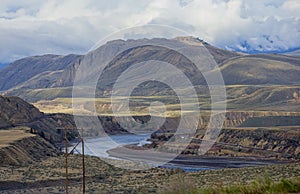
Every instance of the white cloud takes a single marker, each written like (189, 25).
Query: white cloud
(66, 26)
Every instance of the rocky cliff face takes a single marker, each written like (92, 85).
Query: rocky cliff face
(259, 134)
(67, 77)
(285, 142)
(236, 118)
(240, 142)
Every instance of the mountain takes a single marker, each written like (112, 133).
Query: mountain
(261, 69)
(51, 76)
(293, 53)
(39, 71)
(2, 65)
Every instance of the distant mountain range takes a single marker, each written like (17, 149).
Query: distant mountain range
(35, 72)
(51, 76)
(2, 65)
(293, 53)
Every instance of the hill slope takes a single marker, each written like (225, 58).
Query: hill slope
(22, 147)
(261, 69)
(31, 77)
(25, 69)
(16, 112)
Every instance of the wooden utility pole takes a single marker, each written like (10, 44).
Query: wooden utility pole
(66, 155)
(83, 165)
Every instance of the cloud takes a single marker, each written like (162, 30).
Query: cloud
(35, 27)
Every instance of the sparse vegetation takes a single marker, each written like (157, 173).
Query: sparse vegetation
(9, 136)
(101, 177)
(277, 98)
(258, 186)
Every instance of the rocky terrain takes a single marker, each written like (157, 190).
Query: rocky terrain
(250, 134)
(19, 147)
(268, 143)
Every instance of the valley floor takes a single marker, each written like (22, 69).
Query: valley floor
(48, 176)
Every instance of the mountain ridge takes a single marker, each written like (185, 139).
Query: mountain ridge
(58, 72)
(24, 69)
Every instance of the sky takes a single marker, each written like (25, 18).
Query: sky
(35, 27)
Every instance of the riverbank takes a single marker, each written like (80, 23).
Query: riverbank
(188, 163)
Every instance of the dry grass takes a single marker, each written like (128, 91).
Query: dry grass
(139, 106)
(105, 178)
(259, 186)
(279, 98)
(100, 177)
(9, 136)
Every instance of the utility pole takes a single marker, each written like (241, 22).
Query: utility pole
(66, 155)
(83, 165)
(83, 162)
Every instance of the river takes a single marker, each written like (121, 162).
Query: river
(99, 147)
